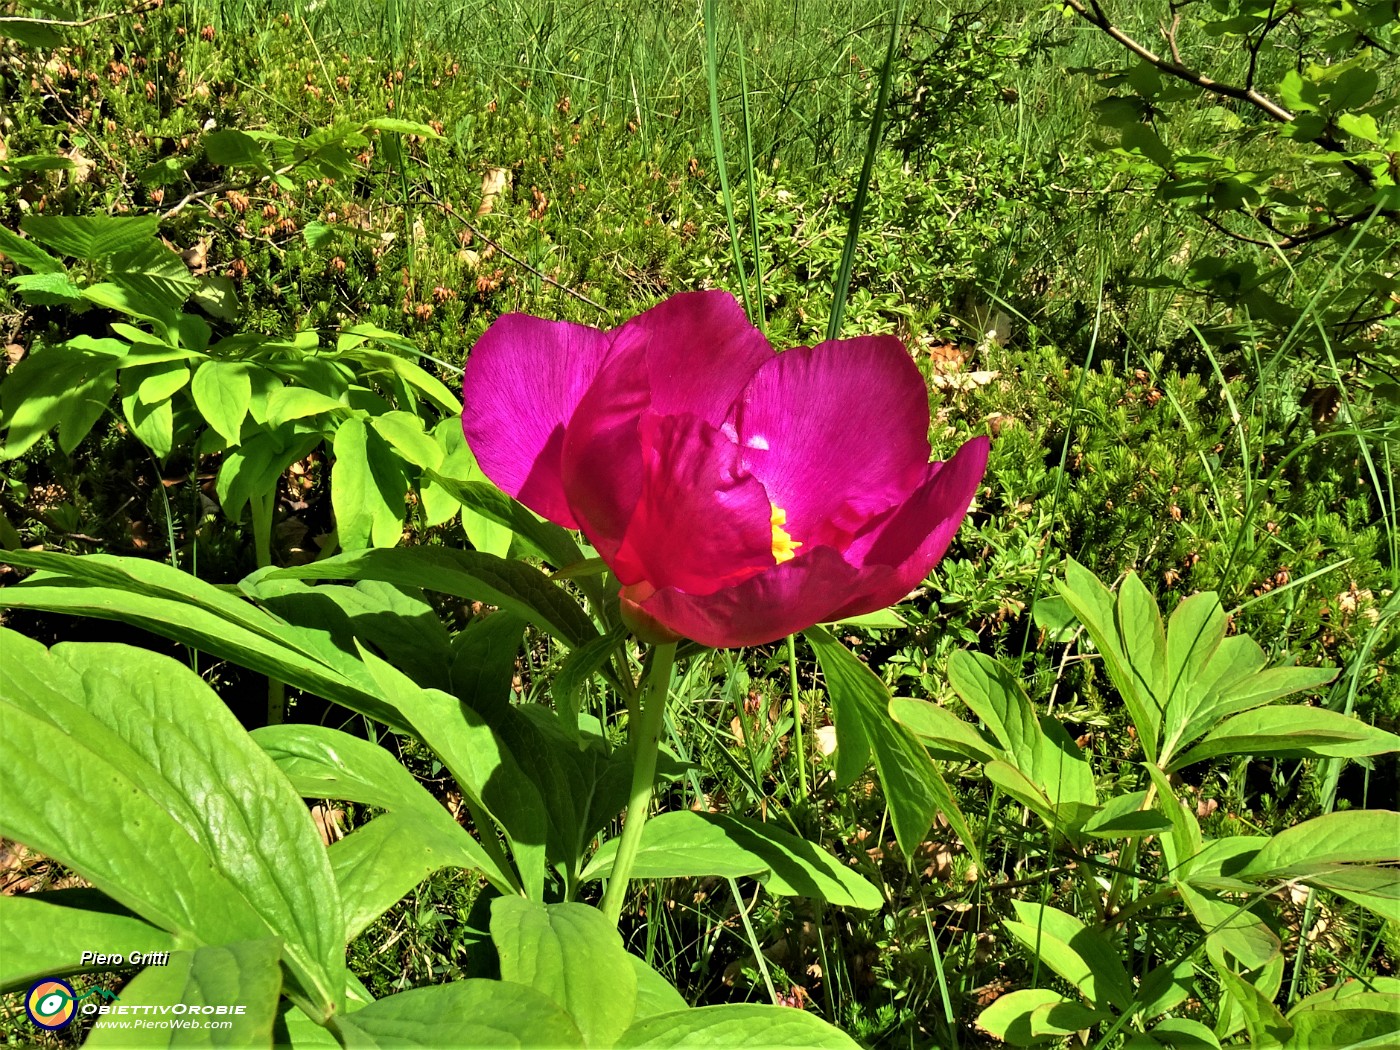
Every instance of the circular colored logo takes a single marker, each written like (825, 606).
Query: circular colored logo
(50, 1004)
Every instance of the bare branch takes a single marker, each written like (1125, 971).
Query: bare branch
(1257, 45)
(1170, 33)
(1290, 240)
(476, 232)
(64, 23)
(220, 187)
(1094, 14)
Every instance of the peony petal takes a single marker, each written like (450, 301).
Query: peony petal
(700, 352)
(899, 549)
(523, 380)
(821, 585)
(700, 524)
(837, 433)
(691, 354)
(777, 602)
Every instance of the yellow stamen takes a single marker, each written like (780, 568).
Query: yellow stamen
(784, 546)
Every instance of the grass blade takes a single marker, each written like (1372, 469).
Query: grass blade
(872, 146)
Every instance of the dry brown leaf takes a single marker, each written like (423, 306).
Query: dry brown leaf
(329, 822)
(197, 256)
(493, 184)
(963, 381)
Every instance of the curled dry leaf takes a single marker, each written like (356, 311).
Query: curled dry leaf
(962, 382)
(493, 184)
(329, 822)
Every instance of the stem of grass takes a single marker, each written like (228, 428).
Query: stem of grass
(872, 146)
(799, 731)
(761, 318)
(717, 136)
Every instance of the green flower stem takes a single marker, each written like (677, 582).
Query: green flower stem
(645, 733)
(799, 731)
(1128, 858)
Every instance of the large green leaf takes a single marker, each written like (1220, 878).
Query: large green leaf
(1094, 605)
(1349, 1014)
(221, 391)
(91, 237)
(26, 253)
(474, 1013)
(1124, 816)
(376, 865)
(1291, 731)
(1143, 637)
(1353, 836)
(412, 375)
(368, 497)
(736, 1025)
(483, 765)
(230, 148)
(581, 782)
(398, 623)
(154, 279)
(572, 954)
(655, 995)
(1176, 1033)
(252, 469)
(1081, 955)
(47, 289)
(1266, 1026)
(482, 665)
(1264, 686)
(465, 574)
(1038, 747)
(1032, 1015)
(68, 386)
(241, 979)
(543, 538)
(47, 933)
(1194, 632)
(203, 783)
(684, 843)
(942, 732)
(860, 705)
(404, 431)
(326, 763)
(285, 403)
(1230, 927)
(176, 605)
(578, 668)
(105, 823)
(485, 533)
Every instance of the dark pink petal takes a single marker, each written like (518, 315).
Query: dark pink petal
(820, 585)
(689, 355)
(524, 378)
(908, 541)
(700, 523)
(700, 352)
(837, 433)
(777, 602)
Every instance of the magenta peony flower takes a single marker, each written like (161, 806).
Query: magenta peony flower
(738, 494)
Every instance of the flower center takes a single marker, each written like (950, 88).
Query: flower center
(784, 546)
